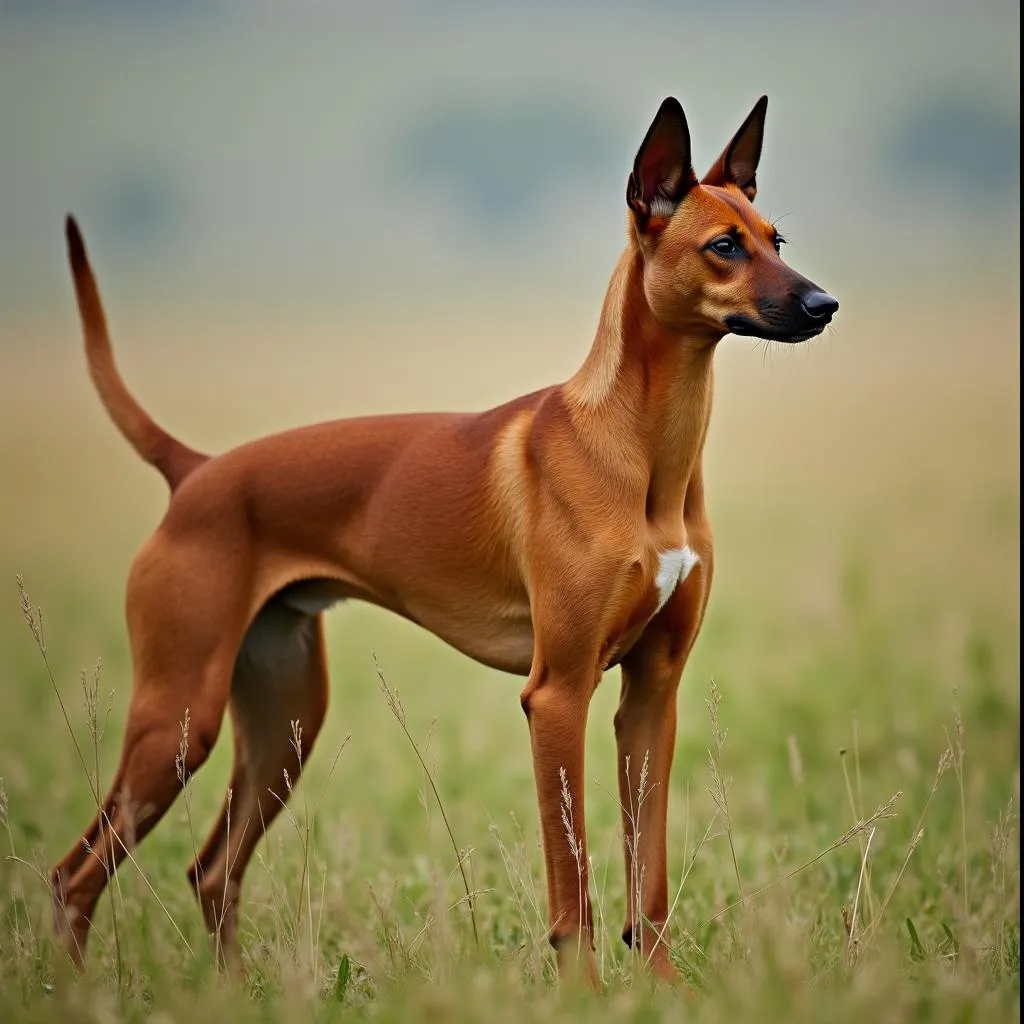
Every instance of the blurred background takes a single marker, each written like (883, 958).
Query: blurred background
(313, 210)
(328, 209)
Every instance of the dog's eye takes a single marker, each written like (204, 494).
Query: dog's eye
(725, 246)
(778, 241)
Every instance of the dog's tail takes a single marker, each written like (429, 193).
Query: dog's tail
(174, 459)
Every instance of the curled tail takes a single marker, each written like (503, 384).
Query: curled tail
(174, 459)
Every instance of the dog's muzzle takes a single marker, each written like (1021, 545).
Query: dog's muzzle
(802, 317)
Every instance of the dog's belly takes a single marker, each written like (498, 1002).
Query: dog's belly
(497, 634)
(504, 644)
(481, 621)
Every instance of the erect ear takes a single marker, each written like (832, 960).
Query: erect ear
(738, 163)
(662, 172)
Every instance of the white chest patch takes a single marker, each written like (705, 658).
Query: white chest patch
(674, 566)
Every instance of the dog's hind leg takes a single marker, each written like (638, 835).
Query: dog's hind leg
(279, 687)
(185, 623)
(144, 787)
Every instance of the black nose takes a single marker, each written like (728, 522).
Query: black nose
(819, 305)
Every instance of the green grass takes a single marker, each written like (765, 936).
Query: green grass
(822, 727)
(863, 622)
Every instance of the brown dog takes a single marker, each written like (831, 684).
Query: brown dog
(554, 537)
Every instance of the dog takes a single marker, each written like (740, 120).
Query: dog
(554, 537)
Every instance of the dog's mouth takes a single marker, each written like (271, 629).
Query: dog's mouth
(788, 334)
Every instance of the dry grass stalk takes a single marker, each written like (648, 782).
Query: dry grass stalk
(395, 705)
(957, 747)
(720, 789)
(945, 760)
(576, 849)
(852, 940)
(882, 812)
(636, 879)
(856, 803)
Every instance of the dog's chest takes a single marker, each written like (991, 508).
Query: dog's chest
(674, 565)
(663, 573)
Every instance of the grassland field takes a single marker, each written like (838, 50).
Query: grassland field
(864, 491)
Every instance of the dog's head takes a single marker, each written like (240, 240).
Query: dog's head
(712, 263)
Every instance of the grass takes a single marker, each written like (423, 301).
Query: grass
(357, 904)
(843, 839)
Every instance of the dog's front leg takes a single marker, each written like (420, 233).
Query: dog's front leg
(556, 705)
(645, 732)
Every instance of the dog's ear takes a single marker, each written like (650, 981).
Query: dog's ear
(738, 163)
(662, 172)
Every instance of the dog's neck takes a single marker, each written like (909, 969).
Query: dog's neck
(642, 399)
